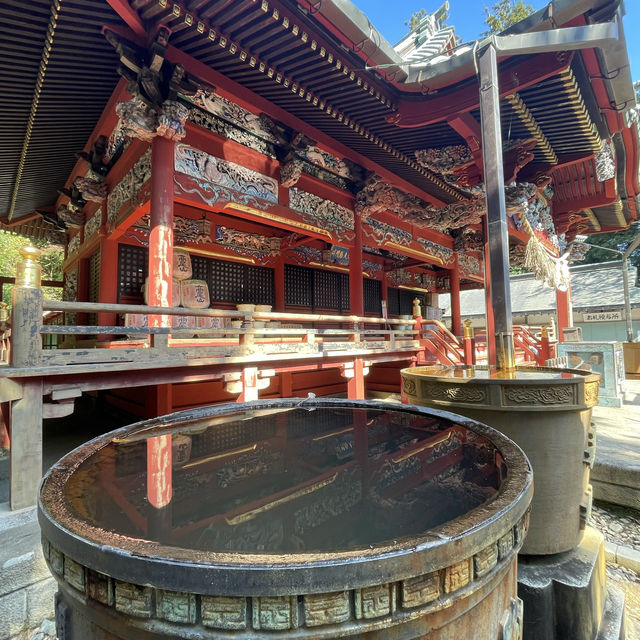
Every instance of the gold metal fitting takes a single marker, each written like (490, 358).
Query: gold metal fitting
(417, 312)
(468, 329)
(28, 271)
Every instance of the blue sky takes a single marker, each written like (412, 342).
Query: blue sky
(467, 16)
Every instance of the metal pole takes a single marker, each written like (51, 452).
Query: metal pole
(627, 300)
(498, 237)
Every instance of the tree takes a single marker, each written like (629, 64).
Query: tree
(504, 13)
(50, 261)
(618, 240)
(415, 18)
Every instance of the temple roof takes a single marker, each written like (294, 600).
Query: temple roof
(324, 70)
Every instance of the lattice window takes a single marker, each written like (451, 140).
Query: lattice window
(298, 285)
(345, 299)
(259, 285)
(326, 289)
(234, 282)
(94, 284)
(132, 271)
(372, 290)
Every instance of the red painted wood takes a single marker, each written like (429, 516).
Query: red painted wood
(565, 315)
(418, 113)
(355, 385)
(108, 281)
(161, 228)
(456, 322)
(159, 476)
(356, 294)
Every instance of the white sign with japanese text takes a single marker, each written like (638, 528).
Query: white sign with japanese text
(602, 316)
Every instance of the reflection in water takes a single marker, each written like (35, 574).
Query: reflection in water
(288, 480)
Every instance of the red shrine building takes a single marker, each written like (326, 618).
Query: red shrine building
(286, 184)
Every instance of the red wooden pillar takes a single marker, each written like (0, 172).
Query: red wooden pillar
(159, 478)
(355, 383)
(161, 228)
(490, 324)
(108, 293)
(278, 275)
(565, 311)
(456, 322)
(356, 294)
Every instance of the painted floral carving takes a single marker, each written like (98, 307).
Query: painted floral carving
(93, 224)
(324, 213)
(203, 166)
(71, 216)
(74, 244)
(207, 99)
(91, 190)
(445, 254)
(303, 254)
(605, 163)
(171, 120)
(469, 264)
(252, 243)
(185, 230)
(290, 172)
(129, 187)
(384, 232)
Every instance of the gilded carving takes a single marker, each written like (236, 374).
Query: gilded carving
(420, 590)
(221, 612)
(326, 608)
(449, 393)
(591, 393)
(517, 394)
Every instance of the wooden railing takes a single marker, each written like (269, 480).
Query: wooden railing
(303, 335)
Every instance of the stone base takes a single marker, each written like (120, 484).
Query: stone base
(565, 595)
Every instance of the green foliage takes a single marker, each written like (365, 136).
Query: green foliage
(50, 261)
(618, 240)
(415, 18)
(504, 13)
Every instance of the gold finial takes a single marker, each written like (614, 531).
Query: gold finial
(28, 271)
(543, 332)
(417, 313)
(468, 329)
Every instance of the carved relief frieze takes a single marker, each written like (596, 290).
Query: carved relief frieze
(93, 224)
(185, 230)
(205, 167)
(547, 395)
(384, 232)
(445, 255)
(591, 393)
(90, 189)
(207, 99)
(248, 243)
(74, 244)
(304, 255)
(469, 264)
(371, 267)
(447, 162)
(377, 196)
(451, 393)
(326, 214)
(231, 131)
(129, 188)
(605, 163)
(70, 291)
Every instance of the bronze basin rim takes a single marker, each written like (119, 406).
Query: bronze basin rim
(167, 567)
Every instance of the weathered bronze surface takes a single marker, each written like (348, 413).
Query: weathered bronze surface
(545, 411)
(319, 519)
